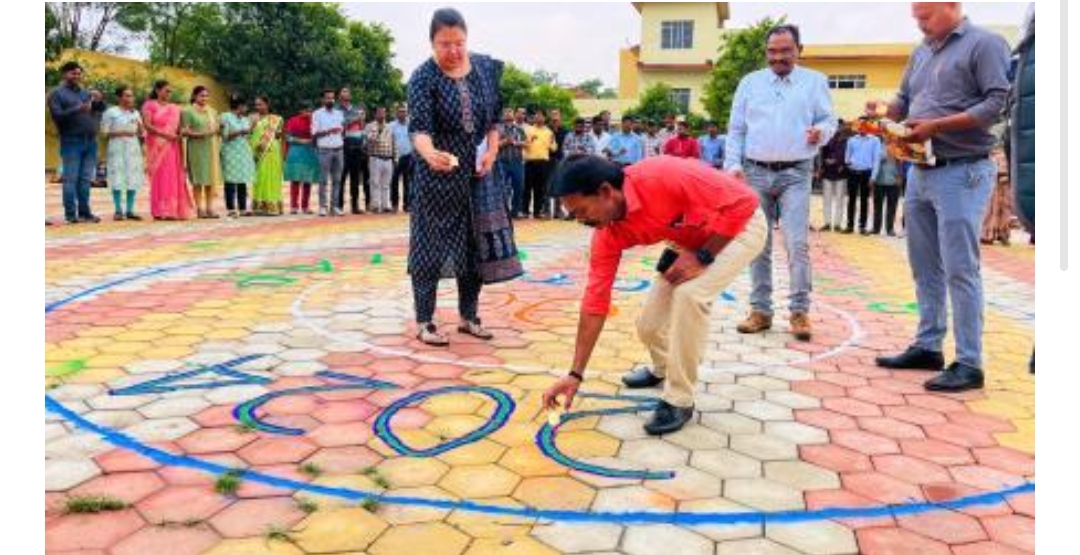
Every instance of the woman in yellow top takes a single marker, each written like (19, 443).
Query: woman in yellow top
(201, 126)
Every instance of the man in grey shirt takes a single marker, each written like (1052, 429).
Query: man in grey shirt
(952, 92)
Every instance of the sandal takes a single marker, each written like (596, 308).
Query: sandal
(474, 329)
(430, 334)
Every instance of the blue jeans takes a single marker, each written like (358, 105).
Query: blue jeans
(943, 213)
(786, 192)
(512, 176)
(79, 156)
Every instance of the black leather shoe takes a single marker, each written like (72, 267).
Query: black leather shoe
(640, 378)
(914, 358)
(957, 377)
(668, 418)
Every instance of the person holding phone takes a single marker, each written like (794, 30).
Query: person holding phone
(714, 222)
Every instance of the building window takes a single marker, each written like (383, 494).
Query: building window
(847, 81)
(676, 35)
(682, 98)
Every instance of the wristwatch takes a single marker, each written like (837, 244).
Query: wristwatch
(705, 257)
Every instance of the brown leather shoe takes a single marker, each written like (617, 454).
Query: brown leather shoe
(800, 326)
(756, 322)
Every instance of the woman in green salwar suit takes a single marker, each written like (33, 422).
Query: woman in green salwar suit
(266, 145)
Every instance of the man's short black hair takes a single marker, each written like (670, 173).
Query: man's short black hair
(584, 174)
(786, 29)
(628, 117)
(68, 66)
(579, 121)
(597, 119)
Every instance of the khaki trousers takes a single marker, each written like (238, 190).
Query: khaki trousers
(674, 322)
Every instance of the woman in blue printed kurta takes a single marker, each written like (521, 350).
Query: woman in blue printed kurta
(455, 104)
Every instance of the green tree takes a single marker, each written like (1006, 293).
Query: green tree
(379, 83)
(179, 33)
(88, 25)
(607, 92)
(591, 87)
(742, 51)
(542, 77)
(516, 87)
(655, 103)
(547, 97)
(287, 51)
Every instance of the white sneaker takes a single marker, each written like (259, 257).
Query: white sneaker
(338, 212)
(322, 212)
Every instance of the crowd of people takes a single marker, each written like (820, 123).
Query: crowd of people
(467, 167)
(191, 154)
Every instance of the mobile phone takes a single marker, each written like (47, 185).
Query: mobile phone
(666, 260)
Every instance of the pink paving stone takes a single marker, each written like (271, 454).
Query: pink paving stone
(986, 548)
(251, 489)
(984, 478)
(215, 417)
(959, 435)
(130, 487)
(817, 388)
(344, 460)
(832, 498)
(180, 504)
(338, 435)
(215, 440)
(898, 386)
(345, 394)
(389, 366)
(440, 371)
(827, 419)
(385, 397)
(876, 396)
(344, 411)
(890, 427)
(946, 526)
(1015, 530)
(910, 469)
(298, 421)
(950, 491)
(267, 450)
(881, 487)
(936, 402)
(936, 451)
(865, 370)
(1023, 504)
(123, 460)
(291, 404)
(841, 379)
(914, 415)
(252, 517)
(834, 457)
(160, 540)
(851, 407)
(864, 442)
(1006, 459)
(410, 418)
(293, 382)
(897, 541)
(90, 531)
(984, 422)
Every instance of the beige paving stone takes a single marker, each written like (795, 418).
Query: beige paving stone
(725, 531)
(578, 537)
(758, 546)
(766, 495)
(725, 463)
(428, 537)
(801, 475)
(664, 539)
(814, 538)
(765, 448)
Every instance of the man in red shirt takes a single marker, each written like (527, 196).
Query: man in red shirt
(712, 220)
(682, 144)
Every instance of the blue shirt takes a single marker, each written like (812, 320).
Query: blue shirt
(631, 143)
(712, 150)
(863, 153)
(402, 142)
(771, 114)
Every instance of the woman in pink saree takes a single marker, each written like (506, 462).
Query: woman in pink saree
(169, 195)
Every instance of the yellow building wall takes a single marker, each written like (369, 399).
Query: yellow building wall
(589, 107)
(129, 71)
(628, 73)
(879, 73)
(693, 80)
(706, 32)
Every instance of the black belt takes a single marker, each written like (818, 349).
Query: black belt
(391, 158)
(776, 166)
(942, 162)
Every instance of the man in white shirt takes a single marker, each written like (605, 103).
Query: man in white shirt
(328, 128)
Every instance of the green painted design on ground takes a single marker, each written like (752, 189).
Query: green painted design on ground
(377, 258)
(203, 244)
(894, 308)
(66, 368)
(323, 266)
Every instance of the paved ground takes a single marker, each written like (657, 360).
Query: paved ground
(176, 352)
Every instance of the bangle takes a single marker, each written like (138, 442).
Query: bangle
(577, 375)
